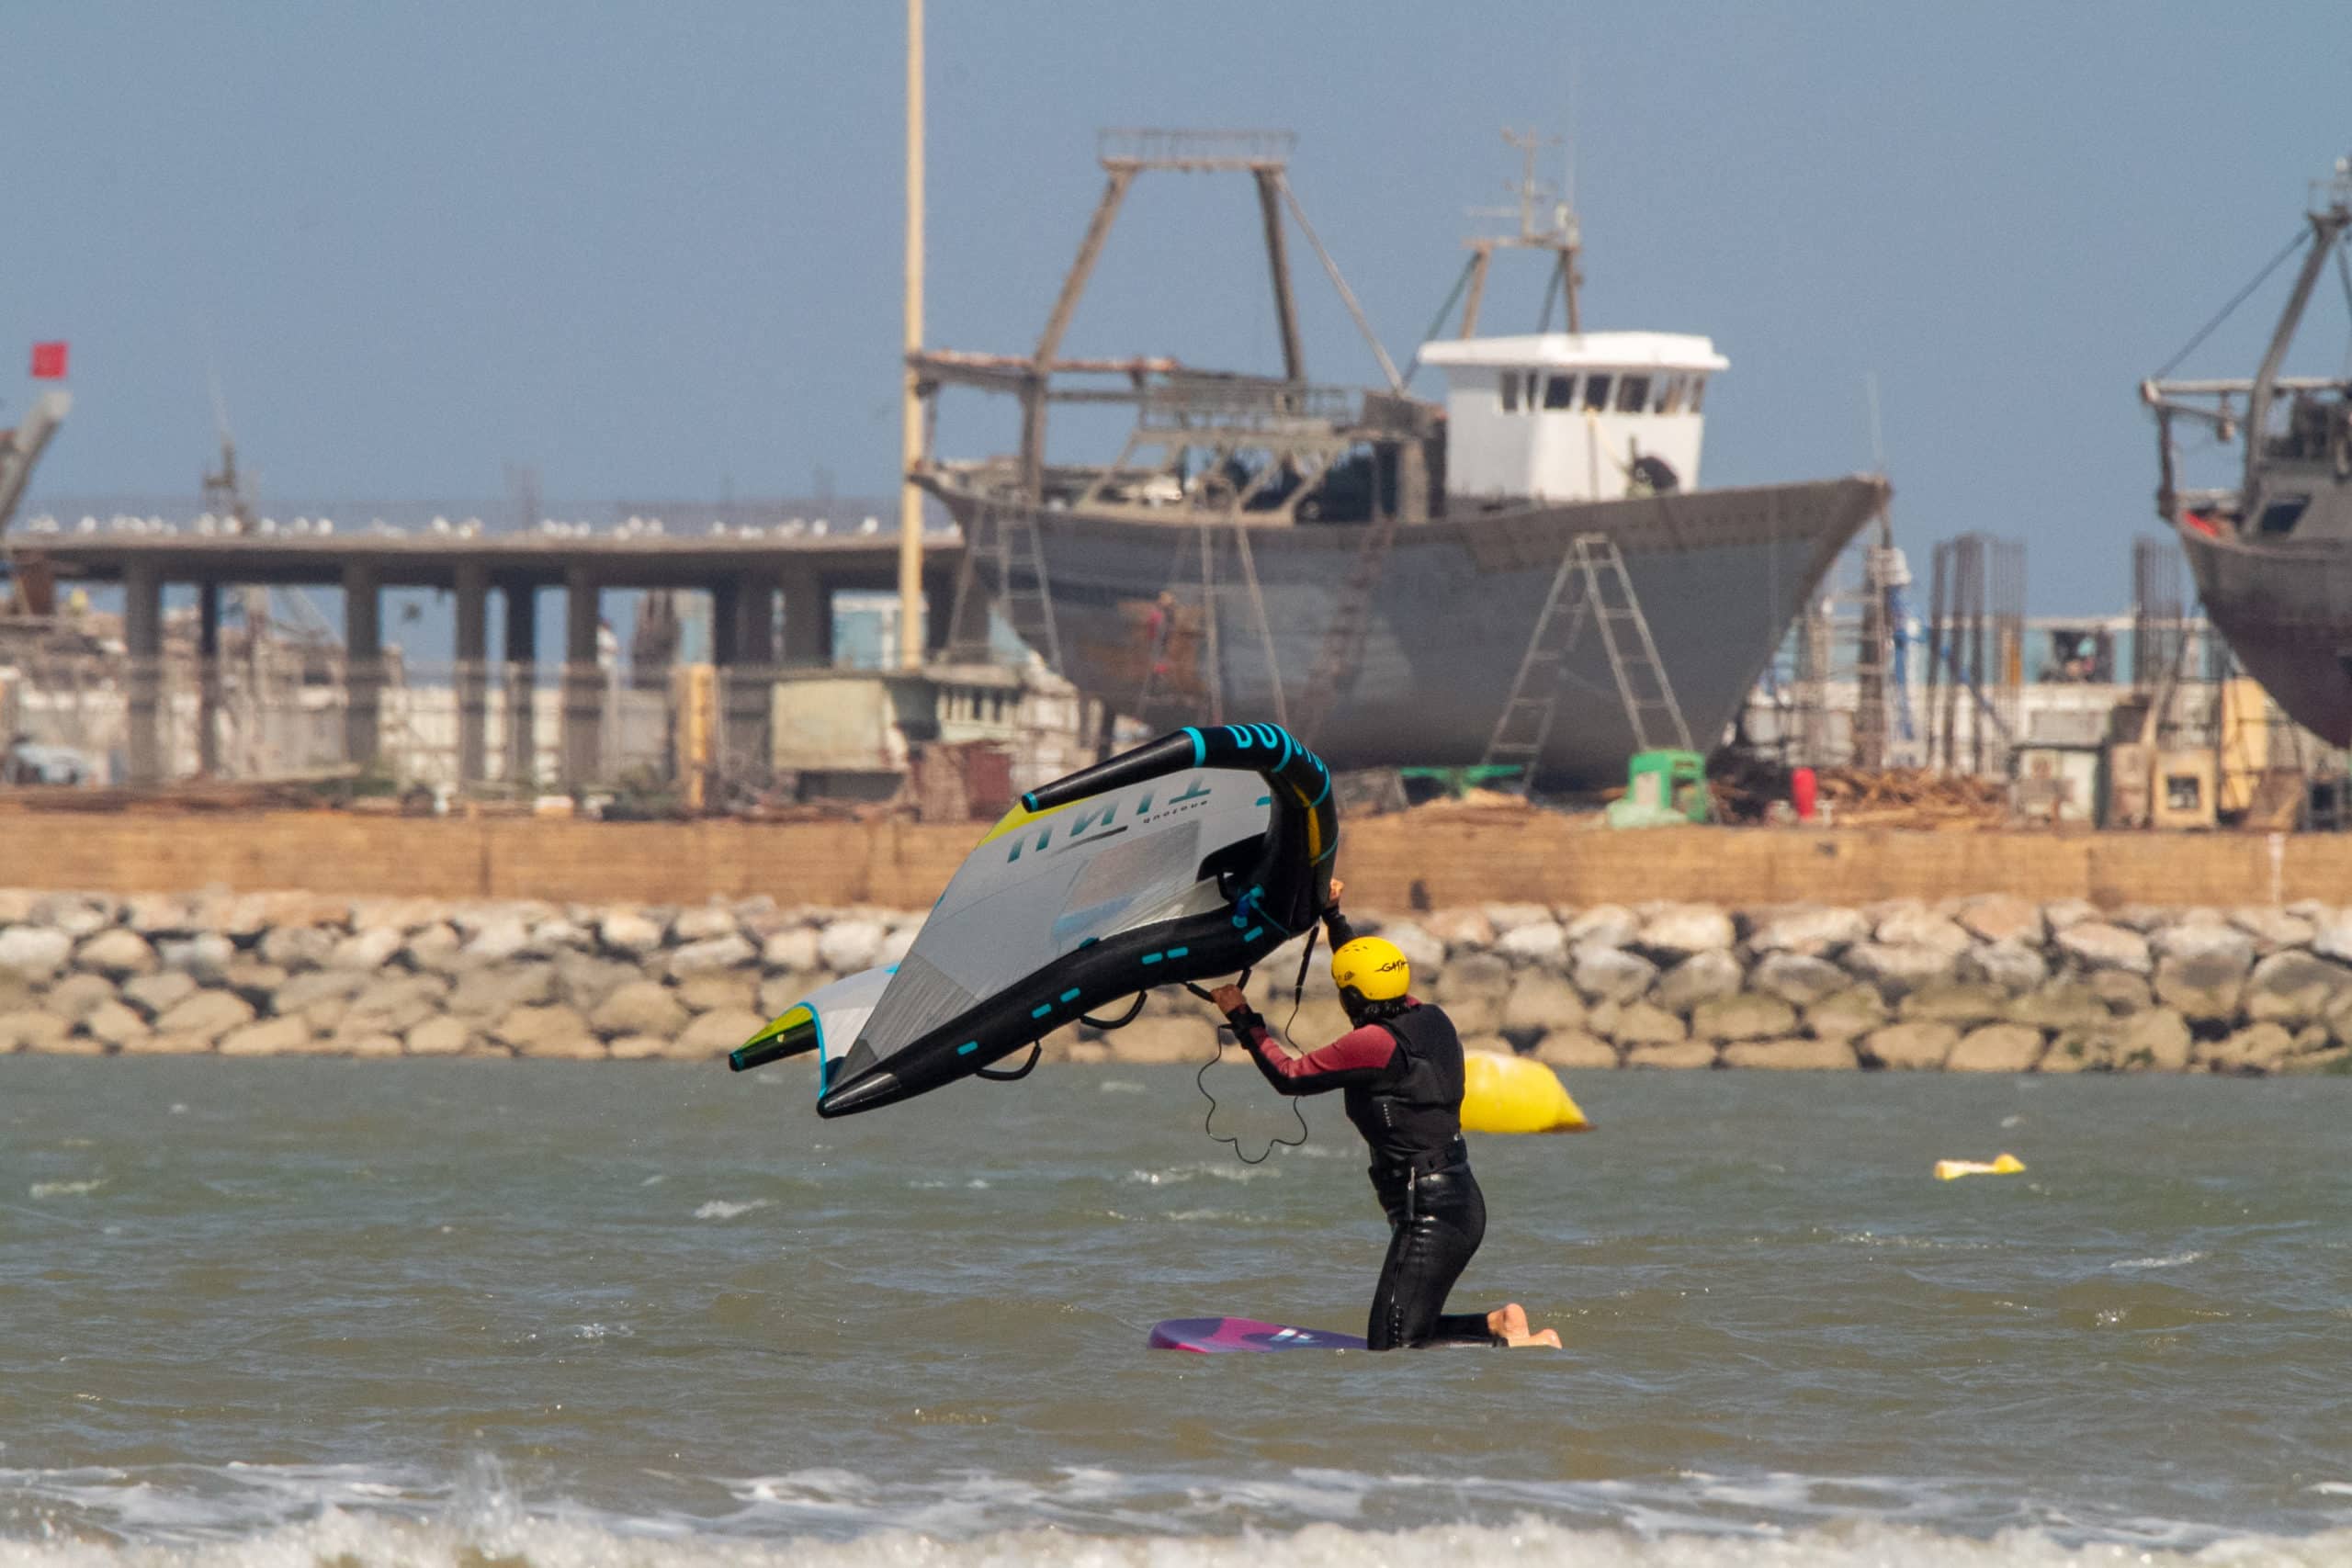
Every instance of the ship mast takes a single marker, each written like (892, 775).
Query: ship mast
(910, 627)
(1555, 229)
(2331, 215)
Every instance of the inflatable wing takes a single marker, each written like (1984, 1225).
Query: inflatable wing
(1195, 855)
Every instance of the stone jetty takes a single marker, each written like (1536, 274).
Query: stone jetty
(1989, 984)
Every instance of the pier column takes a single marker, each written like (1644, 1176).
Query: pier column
(938, 594)
(363, 677)
(473, 669)
(142, 636)
(583, 696)
(743, 648)
(208, 679)
(808, 620)
(522, 696)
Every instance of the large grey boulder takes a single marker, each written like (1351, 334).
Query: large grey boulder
(1996, 1048)
(1917, 1046)
(2294, 987)
(366, 949)
(1898, 971)
(1541, 1002)
(629, 932)
(35, 952)
(2226, 944)
(1748, 1016)
(2206, 988)
(2096, 944)
(492, 993)
(715, 954)
(1808, 932)
(703, 924)
(1462, 931)
(207, 1015)
(116, 953)
(791, 951)
(1917, 928)
(1678, 931)
(1606, 925)
(2007, 966)
(2001, 918)
(848, 946)
(2273, 928)
(1845, 1015)
(206, 955)
(1538, 942)
(1798, 979)
(156, 994)
(1701, 977)
(1611, 975)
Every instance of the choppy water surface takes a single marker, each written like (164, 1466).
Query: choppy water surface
(383, 1312)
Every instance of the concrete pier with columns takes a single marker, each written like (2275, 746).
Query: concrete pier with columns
(745, 576)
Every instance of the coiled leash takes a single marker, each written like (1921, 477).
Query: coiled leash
(1200, 1080)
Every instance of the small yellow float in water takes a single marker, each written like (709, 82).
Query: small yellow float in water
(1515, 1094)
(1951, 1169)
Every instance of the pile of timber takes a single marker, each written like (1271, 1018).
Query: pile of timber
(1867, 797)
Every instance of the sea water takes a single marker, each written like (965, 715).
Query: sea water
(476, 1312)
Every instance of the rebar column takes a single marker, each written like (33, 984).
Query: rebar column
(583, 680)
(208, 679)
(363, 676)
(473, 669)
(142, 636)
(743, 648)
(522, 696)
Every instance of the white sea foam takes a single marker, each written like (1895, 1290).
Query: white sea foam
(2174, 1262)
(720, 1209)
(1176, 1174)
(367, 1538)
(64, 1188)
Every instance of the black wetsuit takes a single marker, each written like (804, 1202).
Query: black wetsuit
(1400, 1074)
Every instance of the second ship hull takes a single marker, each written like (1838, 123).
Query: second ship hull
(2286, 608)
(1719, 575)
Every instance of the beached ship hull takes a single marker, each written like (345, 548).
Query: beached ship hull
(2286, 608)
(1720, 574)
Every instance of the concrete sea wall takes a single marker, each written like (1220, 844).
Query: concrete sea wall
(1993, 983)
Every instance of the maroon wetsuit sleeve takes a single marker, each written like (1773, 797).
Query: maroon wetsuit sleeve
(1360, 1056)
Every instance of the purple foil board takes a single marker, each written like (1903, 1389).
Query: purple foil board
(1215, 1336)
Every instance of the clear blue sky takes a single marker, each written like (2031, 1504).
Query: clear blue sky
(653, 249)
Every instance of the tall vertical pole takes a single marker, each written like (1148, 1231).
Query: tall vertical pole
(911, 432)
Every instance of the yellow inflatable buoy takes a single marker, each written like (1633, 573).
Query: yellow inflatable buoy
(1515, 1094)
(1951, 1169)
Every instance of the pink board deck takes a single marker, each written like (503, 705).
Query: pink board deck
(1215, 1336)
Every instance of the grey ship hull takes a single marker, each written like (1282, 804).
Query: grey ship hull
(2286, 607)
(1720, 574)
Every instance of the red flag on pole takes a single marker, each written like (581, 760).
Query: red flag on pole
(49, 362)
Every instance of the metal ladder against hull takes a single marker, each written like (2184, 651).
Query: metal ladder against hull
(1008, 536)
(1205, 592)
(1592, 585)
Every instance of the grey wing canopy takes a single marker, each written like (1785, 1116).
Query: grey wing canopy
(1193, 855)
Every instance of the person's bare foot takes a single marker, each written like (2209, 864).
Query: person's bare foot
(1510, 1325)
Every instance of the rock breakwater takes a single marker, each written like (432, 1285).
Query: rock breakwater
(1991, 983)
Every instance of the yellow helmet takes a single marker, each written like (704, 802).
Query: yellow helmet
(1372, 967)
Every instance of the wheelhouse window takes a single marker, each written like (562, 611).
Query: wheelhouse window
(1632, 394)
(1510, 391)
(1560, 392)
(1596, 393)
(1698, 393)
(2281, 515)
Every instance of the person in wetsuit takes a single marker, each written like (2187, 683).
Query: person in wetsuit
(1399, 1072)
